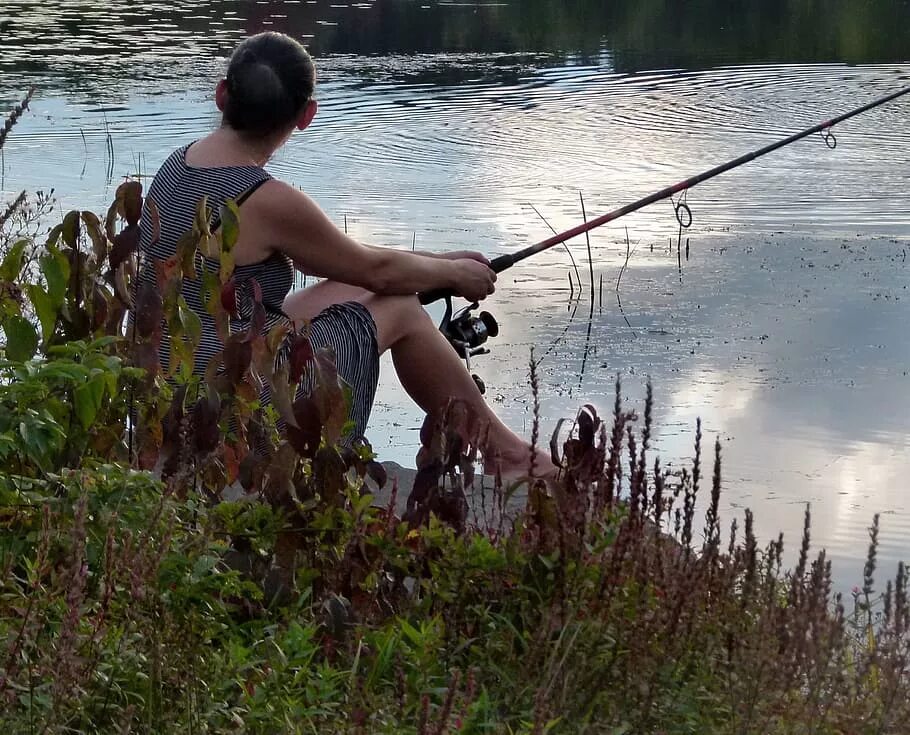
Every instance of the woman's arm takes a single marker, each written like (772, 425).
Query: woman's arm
(302, 231)
(458, 255)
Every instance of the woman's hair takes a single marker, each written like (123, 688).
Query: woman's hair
(270, 78)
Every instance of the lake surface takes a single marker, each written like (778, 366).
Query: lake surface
(785, 329)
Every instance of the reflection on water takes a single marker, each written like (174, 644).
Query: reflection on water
(791, 350)
(784, 330)
(114, 48)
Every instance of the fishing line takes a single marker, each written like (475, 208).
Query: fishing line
(824, 128)
(467, 332)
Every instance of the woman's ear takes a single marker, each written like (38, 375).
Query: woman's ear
(309, 112)
(221, 95)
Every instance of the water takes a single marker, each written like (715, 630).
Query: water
(784, 329)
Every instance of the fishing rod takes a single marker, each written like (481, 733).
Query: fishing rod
(467, 332)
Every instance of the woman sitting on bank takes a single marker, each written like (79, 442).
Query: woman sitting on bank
(367, 303)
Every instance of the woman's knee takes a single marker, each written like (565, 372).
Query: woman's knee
(308, 302)
(396, 317)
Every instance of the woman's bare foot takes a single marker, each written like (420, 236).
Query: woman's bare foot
(517, 464)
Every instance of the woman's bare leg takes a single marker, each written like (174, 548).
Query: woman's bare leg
(427, 366)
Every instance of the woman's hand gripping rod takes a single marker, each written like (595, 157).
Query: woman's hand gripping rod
(465, 331)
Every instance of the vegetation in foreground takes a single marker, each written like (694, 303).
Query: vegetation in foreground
(135, 604)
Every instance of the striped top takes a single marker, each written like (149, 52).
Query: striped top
(176, 190)
(348, 329)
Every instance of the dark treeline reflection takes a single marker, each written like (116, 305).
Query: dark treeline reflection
(90, 44)
(640, 34)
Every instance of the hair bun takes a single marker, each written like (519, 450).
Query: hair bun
(270, 79)
(257, 96)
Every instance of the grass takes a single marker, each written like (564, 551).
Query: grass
(124, 606)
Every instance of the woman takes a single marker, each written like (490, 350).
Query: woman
(366, 304)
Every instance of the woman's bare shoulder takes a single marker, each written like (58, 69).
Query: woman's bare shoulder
(280, 205)
(276, 195)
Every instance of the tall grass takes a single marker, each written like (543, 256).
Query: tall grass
(125, 607)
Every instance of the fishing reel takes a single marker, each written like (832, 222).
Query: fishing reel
(467, 332)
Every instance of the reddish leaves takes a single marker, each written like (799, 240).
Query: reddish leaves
(127, 204)
(377, 473)
(233, 456)
(328, 477)
(238, 354)
(306, 436)
(301, 354)
(229, 298)
(257, 320)
(445, 467)
(125, 244)
(149, 439)
(278, 477)
(583, 459)
(206, 413)
(71, 229)
(148, 310)
(129, 200)
(100, 308)
(187, 427)
(427, 497)
(588, 423)
(333, 407)
(250, 472)
(96, 233)
(78, 272)
(145, 356)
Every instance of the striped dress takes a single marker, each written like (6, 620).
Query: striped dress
(347, 328)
